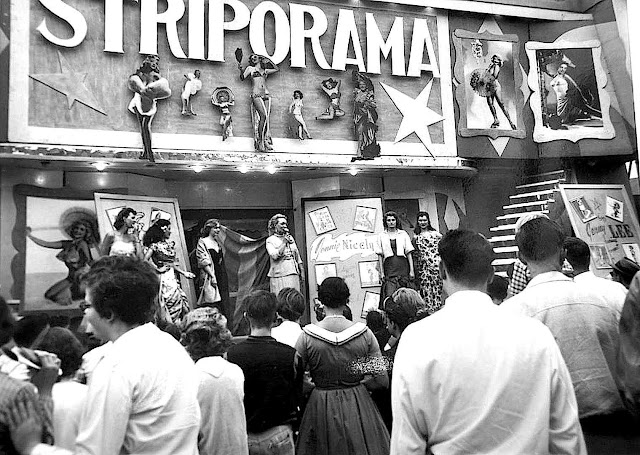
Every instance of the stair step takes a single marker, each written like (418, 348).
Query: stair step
(546, 182)
(503, 261)
(505, 249)
(520, 214)
(533, 194)
(502, 238)
(527, 204)
(546, 175)
(504, 227)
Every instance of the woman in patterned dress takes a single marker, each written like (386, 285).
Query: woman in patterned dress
(426, 243)
(161, 253)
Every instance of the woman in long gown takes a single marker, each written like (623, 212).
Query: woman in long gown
(344, 360)
(394, 249)
(427, 259)
(161, 254)
(212, 268)
(572, 103)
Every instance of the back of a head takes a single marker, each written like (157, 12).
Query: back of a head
(498, 288)
(375, 321)
(124, 287)
(29, 329)
(333, 292)
(540, 240)
(205, 333)
(467, 257)
(63, 343)
(404, 307)
(577, 253)
(261, 308)
(291, 304)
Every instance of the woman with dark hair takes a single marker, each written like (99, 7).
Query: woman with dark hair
(76, 255)
(427, 259)
(259, 68)
(221, 393)
(394, 249)
(124, 240)
(344, 360)
(68, 395)
(213, 278)
(161, 254)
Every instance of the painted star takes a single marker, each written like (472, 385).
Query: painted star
(416, 116)
(71, 84)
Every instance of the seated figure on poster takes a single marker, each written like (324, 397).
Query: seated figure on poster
(572, 103)
(259, 68)
(75, 253)
(394, 250)
(148, 87)
(365, 117)
(485, 83)
(161, 254)
(332, 89)
(125, 239)
(286, 269)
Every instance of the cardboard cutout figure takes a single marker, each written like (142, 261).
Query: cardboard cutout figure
(192, 85)
(295, 109)
(365, 117)
(332, 88)
(222, 97)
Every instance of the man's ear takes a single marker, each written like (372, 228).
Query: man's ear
(442, 271)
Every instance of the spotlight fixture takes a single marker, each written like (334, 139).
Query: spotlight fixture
(100, 165)
(271, 169)
(243, 168)
(197, 168)
(354, 171)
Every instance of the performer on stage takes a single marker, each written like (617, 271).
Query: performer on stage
(286, 265)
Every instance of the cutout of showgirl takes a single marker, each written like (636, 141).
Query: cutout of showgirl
(258, 69)
(148, 87)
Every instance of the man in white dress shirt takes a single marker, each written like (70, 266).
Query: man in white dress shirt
(142, 397)
(472, 378)
(579, 256)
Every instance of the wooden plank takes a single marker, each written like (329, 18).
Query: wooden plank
(527, 204)
(546, 182)
(505, 249)
(484, 7)
(503, 261)
(504, 227)
(518, 215)
(502, 238)
(533, 194)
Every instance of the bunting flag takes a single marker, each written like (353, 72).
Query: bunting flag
(247, 264)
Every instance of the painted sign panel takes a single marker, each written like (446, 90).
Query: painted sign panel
(71, 64)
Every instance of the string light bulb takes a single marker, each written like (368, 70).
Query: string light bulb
(271, 169)
(243, 168)
(353, 171)
(100, 165)
(197, 168)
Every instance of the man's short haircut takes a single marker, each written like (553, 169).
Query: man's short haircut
(124, 287)
(291, 304)
(498, 288)
(577, 253)
(63, 343)
(261, 308)
(467, 256)
(540, 240)
(333, 292)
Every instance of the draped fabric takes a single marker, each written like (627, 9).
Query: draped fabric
(247, 265)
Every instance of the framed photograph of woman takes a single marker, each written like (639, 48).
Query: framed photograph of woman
(365, 219)
(370, 302)
(600, 256)
(322, 220)
(487, 69)
(632, 251)
(568, 100)
(583, 209)
(369, 274)
(615, 209)
(324, 271)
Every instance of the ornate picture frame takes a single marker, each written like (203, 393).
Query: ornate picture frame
(568, 100)
(487, 69)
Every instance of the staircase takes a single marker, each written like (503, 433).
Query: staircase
(534, 196)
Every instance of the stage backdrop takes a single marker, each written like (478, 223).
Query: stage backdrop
(70, 67)
(604, 217)
(340, 237)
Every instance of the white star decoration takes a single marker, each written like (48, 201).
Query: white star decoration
(416, 116)
(71, 84)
